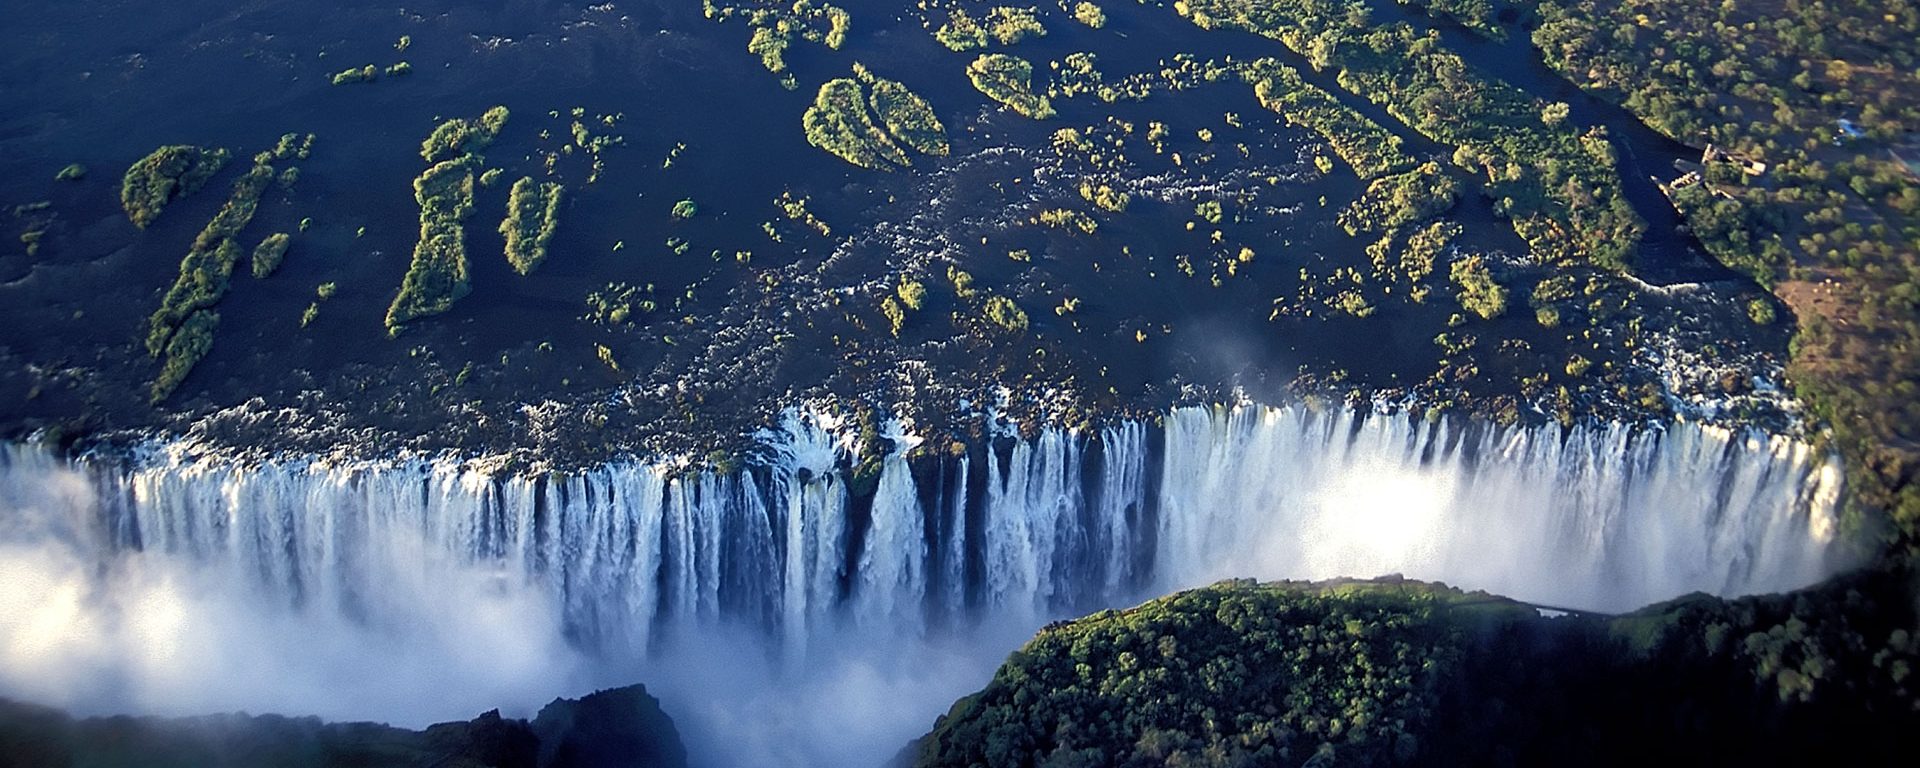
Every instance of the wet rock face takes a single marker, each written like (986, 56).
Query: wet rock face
(615, 728)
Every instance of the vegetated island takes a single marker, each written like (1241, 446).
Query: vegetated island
(1009, 80)
(841, 123)
(438, 276)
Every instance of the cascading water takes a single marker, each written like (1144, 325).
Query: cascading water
(446, 567)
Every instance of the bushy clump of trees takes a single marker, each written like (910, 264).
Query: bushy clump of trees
(1105, 196)
(533, 212)
(906, 116)
(1009, 80)
(839, 123)
(165, 175)
(1235, 674)
(1392, 202)
(1393, 672)
(461, 136)
(1836, 214)
(776, 26)
(1372, 151)
(268, 254)
(1089, 14)
(366, 74)
(438, 274)
(1559, 186)
(1479, 293)
(1005, 25)
(205, 273)
(1002, 312)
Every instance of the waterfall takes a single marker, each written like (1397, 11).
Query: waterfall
(775, 599)
(1599, 516)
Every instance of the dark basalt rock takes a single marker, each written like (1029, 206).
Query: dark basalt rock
(620, 727)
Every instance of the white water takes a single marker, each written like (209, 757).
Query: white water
(783, 622)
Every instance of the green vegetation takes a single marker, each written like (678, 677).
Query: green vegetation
(1009, 25)
(268, 254)
(796, 210)
(1104, 196)
(685, 209)
(895, 314)
(72, 172)
(399, 69)
(168, 174)
(1476, 15)
(181, 330)
(321, 293)
(186, 348)
(437, 277)
(839, 123)
(1008, 316)
(366, 74)
(1089, 14)
(533, 211)
(618, 303)
(1479, 293)
(1069, 219)
(774, 29)
(1395, 672)
(913, 294)
(961, 33)
(1371, 150)
(1005, 25)
(460, 136)
(907, 116)
(1009, 80)
(1391, 202)
(1559, 187)
(1832, 224)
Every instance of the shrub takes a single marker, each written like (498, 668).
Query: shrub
(1001, 311)
(1090, 15)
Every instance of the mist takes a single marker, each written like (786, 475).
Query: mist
(142, 632)
(419, 591)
